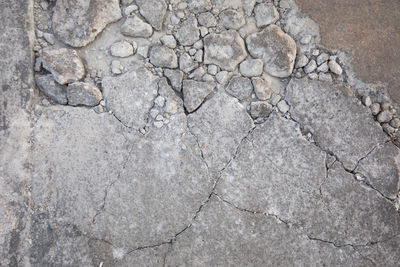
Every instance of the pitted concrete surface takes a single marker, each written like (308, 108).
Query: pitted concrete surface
(190, 133)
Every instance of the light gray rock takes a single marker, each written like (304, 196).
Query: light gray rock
(122, 49)
(194, 93)
(283, 106)
(384, 116)
(248, 6)
(49, 38)
(223, 235)
(239, 87)
(388, 129)
(335, 67)
(311, 66)
(220, 124)
(326, 77)
(395, 123)
(78, 22)
(187, 32)
(232, 19)
(130, 96)
(222, 77)
(302, 61)
(83, 94)
(375, 108)
(323, 57)
(226, 49)
(175, 77)
(323, 67)
(367, 101)
(162, 56)
(153, 11)
(262, 88)
(169, 41)
(50, 88)
(136, 27)
(315, 105)
(207, 19)
(186, 63)
(251, 67)
(380, 169)
(260, 109)
(198, 6)
(64, 64)
(116, 67)
(273, 43)
(265, 14)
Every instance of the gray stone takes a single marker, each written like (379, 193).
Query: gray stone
(50, 88)
(122, 49)
(226, 49)
(273, 43)
(116, 67)
(380, 169)
(388, 129)
(248, 6)
(130, 9)
(375, 108)
(199, 56)
(395, 123)
(302, 61)
(315, 105)
(198, 6)
(175, 78)
(306, 39)
(239, 87)
(136, 27)
(187, 32)
(153, 11)
(265, 14)
(326, 77)
(78, 22)
(65, 64)
(219, 125)
(186, 63)
(212, 69)
(260, 109)
(169, 41)
(323, 67)
(311, 66)
(322, 58)
(367, 101)
(262, 88)
(251, 67)
(49, 38)
(384, 116)
(162, 56)
(335, 67)
(222, 77)
(197, 74)
(283, 106)
(232, 19)
(130, 96)
(207, 19)
(83, 94)
(194, 93)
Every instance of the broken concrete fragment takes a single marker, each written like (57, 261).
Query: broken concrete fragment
(226, 49)
(232, 19)
(220, 124)
(260, 109)
(65, 64)
(187, 32)
(239, 87)
(194, 93)
(162, 56)
(380, 169)
(153, 11)
(83, 94)
(276, 48)
(315, 106)
(122, 49)
(130, 96)
(175, 78)
(78, 22)
(265, 14)
(135, 27)
(50, 88)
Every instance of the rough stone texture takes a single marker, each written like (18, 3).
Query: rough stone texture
(277, 49)
(175, 78)
(262, 88)
(187, 33)
(256, 238)
(260, 109)
(226, 50)
(220, 124)
(251, 67)
(49, 87)
(83, 94)
(232, 19)
(130, 96)
(78, 22)
(153, 11)
(198, 6)
(239, 87)
(162, 56)
(265, 14)
(121, 49)
(380, 169)
(136, 27)
(63, 63)
(194, 93)
(333, 116)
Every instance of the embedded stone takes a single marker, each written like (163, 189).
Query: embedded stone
(153, 11)
(232, 19)
(52, 89)
(162, 56)
(194, 93)
(136, 27)
(187, 32)
(239, 87)
(265, 14)
(83, 94)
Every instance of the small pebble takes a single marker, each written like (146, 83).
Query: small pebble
(375, 108)
(222, 77)
(395, 123)
(388, 129)
(322, 58)
(335, 67)
(305, 39)
(313, 76)
(367, 101)
(311, 66)
(301, 61)
(212, 69)
(153, 113)
(386, 106)
(283, 106)
(159, 101)
(159, 117)
(275, 99)
(315, 52)
(49, 38)
(323, 68)
(384, 116)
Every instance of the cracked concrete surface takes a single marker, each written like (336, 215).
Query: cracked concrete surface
(211, 145)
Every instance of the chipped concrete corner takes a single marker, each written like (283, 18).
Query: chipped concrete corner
(189, 133)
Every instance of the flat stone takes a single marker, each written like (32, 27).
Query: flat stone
(251, 67)
(207, 19)
(335, 67)
(130, 95)
(265, 14)
(162, 56)
(83, 94)
(116, 67)
(198, 6)
(239, 87)
(384, 116)
(186, 63)
(323, 57)
(65, 64)
(232, 19)
(78, 22)
(194, 93)
(260, 109)
(50, 88)
(187, 32)
(262, 88)
(153, 11)
(380, 169)
(311, 66)
(169, 41)
(226, 50)
(175, 77)
(276, 48)
(122, 49)
(283, 106)
(136, 27)
(220, 124)
(315, 105)
(302, 61)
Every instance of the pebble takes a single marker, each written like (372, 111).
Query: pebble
(315, 52)
(136, 27)
(322, 58)
(302, 61)
(251, 67)
(323, 68)
(283, 106)
(83, 93)
(162, 56)
(198, 56)
(326, 77)
(175, 20)
(175, 78)
(198, 44)
(153, 113)
(222, 77)
(384, 116)
(260, 109)
(375, 108)
(305, 39)
(159, 117)
(159, 101)
(207, 19)
(311, 66)
(262, 88)
(49, 38)
(313, 76)
(192, 51)
(169, 41)
(265, 14)
(335, 67)
(367, 101)
(275, 100)
(130, 9)
(116, 67)
(122, 49)
(212, 69)
(388, 129)
(171, 107)
(208, 78)
(386, 106)
(395, 123)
